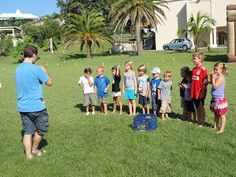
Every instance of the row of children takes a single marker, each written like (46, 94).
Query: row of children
(155, 90)
(193, 91)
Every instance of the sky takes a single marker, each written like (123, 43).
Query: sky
(36, 7)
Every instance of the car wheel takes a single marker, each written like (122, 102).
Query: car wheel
(185, 48)
(166, 48)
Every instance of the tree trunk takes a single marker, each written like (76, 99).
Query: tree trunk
(196, 45)
(89, 49)
(138, 36)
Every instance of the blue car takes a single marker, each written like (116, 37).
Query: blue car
(178, 44)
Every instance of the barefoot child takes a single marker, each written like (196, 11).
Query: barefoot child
(116, 93)
(130, 87)
(144, 89)
(183, 73)
(86, 83)
(102, 84)
(154, 87)
(164, 94)
(199, 87)
(219, 103)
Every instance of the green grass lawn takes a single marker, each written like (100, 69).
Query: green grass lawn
(99, 146)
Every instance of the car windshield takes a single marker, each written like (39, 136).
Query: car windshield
(173, 41)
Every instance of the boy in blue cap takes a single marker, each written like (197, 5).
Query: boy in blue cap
(154, 88)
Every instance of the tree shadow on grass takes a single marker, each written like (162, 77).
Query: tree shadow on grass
(177, 51)
(82, 107)
(103, 54)
(216, 58)
(174, 115)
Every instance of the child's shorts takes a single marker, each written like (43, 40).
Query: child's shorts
(165, 107)
(130, 94)
(156, 104)
(116, 94)
(219, 106)
(143, 100)
(102, 100)
(89, 99)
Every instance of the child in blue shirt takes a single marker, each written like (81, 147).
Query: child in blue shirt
(154, 88)
(102, 84)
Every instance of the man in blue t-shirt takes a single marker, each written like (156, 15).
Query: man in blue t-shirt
(29, 80)
(102, 84)
(154, 87)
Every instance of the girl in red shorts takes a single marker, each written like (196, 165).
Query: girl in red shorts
(219, 103)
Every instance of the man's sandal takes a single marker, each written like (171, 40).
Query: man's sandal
(39, 152)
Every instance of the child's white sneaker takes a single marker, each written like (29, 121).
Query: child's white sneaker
(87, 113)
(93, 113)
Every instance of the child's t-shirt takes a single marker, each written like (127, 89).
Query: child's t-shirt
(129, 80)
(143, 84)
(154, 86)
(101, 82)
(199, 81)
(165, 87)
(116, 83)
(87, 88)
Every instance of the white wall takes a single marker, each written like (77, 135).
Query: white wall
(175, 19)
(180, 10)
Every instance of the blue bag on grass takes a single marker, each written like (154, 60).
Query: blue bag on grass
(145, 122)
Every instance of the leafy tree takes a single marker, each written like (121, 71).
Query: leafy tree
(197, 26)
(136, 11)
(40, 33)
(17, 51)
(6, 45)
(74, 6)
(86, 28)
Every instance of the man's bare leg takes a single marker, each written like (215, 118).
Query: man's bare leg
(27, 141)
(36, 140)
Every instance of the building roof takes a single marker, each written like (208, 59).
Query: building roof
(17, 15)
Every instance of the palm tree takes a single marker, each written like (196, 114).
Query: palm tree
(85, 28)
(136, 11)
(197, 26)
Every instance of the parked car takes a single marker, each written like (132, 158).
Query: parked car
(178, 44)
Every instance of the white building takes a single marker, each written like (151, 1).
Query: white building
(180, 11)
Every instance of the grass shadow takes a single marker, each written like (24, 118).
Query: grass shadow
(80, 56)
(216, 58)
(177, 51)
(82, 107)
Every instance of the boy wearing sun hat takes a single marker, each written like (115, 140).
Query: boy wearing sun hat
(154, 88)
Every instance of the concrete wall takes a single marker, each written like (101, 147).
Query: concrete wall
(179, 12)
(176, 18)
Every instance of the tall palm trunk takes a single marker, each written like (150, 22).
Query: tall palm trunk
(196, 45)
(138, 35)
(89, 49)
